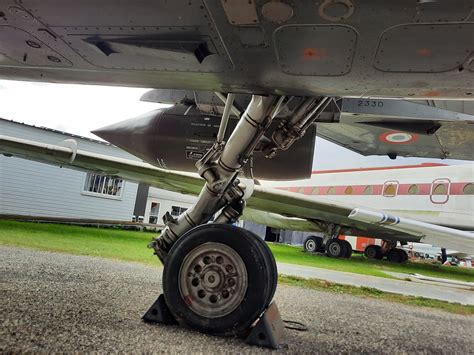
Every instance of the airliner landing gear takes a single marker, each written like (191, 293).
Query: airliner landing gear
(337, 248)
(374, 252)
(313, 244)
(395, 255)
(392, 254)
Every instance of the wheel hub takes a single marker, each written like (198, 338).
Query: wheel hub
(213, 280)
(310, 245)
(335, 248)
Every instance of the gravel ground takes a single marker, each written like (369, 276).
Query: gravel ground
(63, 303)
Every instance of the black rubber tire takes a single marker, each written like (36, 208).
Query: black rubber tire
(270, 260)
(374, 252)
(403, 255)
(394, 256)
(348, 245)
(261, 273)
(317, 242)
(335, 248)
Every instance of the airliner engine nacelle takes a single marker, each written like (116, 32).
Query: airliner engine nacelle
(176, 137)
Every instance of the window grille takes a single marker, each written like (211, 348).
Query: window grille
(176, 210)
(101, 185)
(154, 210)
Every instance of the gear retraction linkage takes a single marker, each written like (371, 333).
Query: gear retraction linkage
(220, 166)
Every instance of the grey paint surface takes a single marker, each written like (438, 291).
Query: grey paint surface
(30, 188)
(367, 47)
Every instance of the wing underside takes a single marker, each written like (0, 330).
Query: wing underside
(268, 206)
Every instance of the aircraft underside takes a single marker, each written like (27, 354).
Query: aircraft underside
(404, 48)
(295, 59)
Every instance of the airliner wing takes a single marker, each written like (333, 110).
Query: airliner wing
(269, 206)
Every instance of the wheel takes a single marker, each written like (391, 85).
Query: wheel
(394, 256)
(373, 252)
(397, 255)
(218, 279)
(336, 248)
(270, 260)
(403, 255)
(348, 245)
(313, 244)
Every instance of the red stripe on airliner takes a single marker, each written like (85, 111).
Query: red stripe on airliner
(423, 165)
(456, 188)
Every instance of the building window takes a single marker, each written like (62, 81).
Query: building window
(301, 190)
(468, 189)
(102, 185)
(154, 210)
(315, 191)
(176, 210)
(413, 189)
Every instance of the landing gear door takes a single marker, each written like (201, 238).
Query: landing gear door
(439, 192)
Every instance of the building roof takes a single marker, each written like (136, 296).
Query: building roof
(58, 131)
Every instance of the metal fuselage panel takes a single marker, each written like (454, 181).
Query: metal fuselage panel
(351, 48)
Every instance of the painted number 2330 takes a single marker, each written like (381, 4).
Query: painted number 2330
(370, 103)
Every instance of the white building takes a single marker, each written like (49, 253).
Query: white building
(36, 190)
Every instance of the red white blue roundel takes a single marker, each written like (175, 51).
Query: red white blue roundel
(397, 137)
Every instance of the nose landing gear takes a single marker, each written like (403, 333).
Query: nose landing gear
(219, 279)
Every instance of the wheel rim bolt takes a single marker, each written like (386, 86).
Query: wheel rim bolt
(213, 298)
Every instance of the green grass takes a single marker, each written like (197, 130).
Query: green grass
(368, 292)
(361, 265)
(131, 246)
(106, 243)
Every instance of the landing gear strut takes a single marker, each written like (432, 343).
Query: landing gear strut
(217, 278)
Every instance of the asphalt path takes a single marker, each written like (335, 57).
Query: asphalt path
(443, 292)
(53, 302)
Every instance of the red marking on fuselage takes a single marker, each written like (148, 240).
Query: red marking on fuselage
(423, 165)
(431, 93)
(423, 52)
(314, 53)
(456, 188)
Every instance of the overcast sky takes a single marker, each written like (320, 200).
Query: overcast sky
(80, 109)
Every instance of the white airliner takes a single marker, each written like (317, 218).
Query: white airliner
(430, 192)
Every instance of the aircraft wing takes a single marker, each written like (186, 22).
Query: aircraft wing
(401, 128)
(267, 205)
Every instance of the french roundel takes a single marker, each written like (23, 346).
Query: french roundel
(397, 137)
